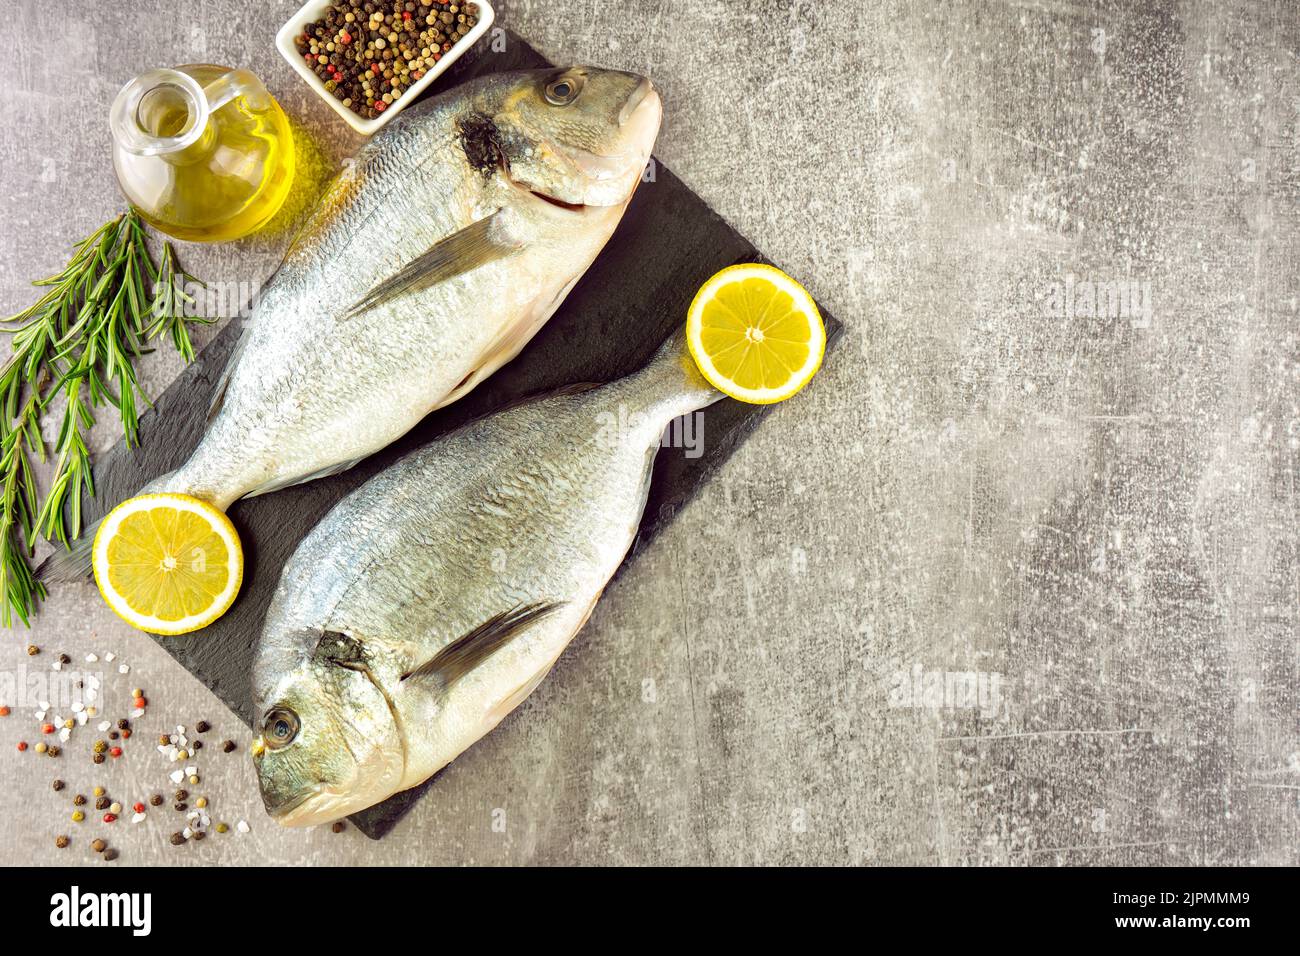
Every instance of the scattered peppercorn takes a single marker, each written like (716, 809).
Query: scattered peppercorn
(181, 795)
(181, 807)
(98, 845)
(138, 807)
(101, 803)
(79, 800)
(222, 827)
(58, 785)
(339, 826)
(110, 854)
(202, 727)
(61, 842)
(98, 792)
(53, 750)
(77, 816)
(201, 802)
(110, 817)
(228, 746)
(156, 800)
(199, 835)
(4, 711)
(197, 745)
(100, 746)
(41, 747)
(113, 735)
(97, 758)
(65, 659)
(32, 650)
(178, 839)
(163, 740)
(123, 724)
(22, 745)
(115, 752)
(115, 807)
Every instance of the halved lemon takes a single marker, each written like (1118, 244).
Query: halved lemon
(755, 334)
(168, 563)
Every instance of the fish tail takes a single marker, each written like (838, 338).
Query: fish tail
(671, 382)
(74, 562)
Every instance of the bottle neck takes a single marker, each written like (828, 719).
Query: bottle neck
(163, 113)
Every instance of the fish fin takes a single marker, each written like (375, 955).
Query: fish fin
(520, 694)
(505, 347)
(460, 252)
(468, 651)
(279, 483)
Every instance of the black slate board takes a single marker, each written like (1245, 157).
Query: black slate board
(630, 300)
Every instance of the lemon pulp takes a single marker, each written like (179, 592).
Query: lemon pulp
(168, 563)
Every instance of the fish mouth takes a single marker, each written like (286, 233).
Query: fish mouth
(523, 186)
(558, 203)
(637, 97)
(279, 810)
(311, 808)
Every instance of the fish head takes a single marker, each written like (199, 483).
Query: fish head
(577, 137)
(328, 744)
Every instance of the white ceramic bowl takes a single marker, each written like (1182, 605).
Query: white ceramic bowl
(315, 9)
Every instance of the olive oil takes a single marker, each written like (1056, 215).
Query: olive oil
(204, 153)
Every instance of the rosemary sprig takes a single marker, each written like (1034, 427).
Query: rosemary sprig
(170, 304)
(19, 434)
(83, 335)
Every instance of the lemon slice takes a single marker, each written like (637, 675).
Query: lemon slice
(168, 563)
(755, 334)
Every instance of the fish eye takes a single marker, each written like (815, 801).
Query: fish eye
(280, 727)
(564, 89)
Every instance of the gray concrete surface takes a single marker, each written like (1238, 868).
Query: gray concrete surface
(1088, 514)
